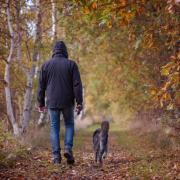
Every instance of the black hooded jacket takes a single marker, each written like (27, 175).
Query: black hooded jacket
(60, 80)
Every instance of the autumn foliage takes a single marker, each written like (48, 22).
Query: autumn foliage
(128, 52)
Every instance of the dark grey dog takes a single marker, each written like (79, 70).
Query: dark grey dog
(100, 141)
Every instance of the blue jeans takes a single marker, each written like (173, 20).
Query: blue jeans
(68, 114)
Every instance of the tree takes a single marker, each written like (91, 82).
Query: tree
(10, 111)
(31, 72)
(54, 20)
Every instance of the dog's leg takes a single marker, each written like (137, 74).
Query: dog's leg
(104, 155)
(101, 151)
(105, 152)
(96, 156)
(98, 159)
(101, 155)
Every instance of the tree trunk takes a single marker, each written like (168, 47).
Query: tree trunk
(54, 21)
(31, 73)
(19, 32)
(19, 51)
(43, 116)
(28, 99)
(8, 96)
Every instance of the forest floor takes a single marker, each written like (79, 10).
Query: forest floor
(130, 157)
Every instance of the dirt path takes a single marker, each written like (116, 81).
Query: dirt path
(38, 165)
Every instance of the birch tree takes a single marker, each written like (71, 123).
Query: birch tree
(54, 21)
(19, 32)
(31, 72)
(8, 95)
(43, 116)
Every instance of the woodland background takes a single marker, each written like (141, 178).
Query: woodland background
(127, 52)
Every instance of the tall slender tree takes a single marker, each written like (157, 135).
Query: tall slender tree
(8, 95)
(54, 20)
(43, 116)
(31, 73)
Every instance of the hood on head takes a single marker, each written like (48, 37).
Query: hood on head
(60, 49)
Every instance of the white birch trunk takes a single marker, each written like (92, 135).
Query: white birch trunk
(27, 99)
(54, 21)
(31, 73)
(19, 51)
(10, 112)
(19, 32)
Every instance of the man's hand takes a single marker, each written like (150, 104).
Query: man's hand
(79, 108)
(42, 109)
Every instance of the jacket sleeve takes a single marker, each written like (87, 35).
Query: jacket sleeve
(77, 85)
(41, 87)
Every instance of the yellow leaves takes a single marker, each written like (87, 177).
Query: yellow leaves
(109, 24)
(176, 78)
(148, 40)
(153, 91)
(27, 64)
(166, 86)
(86, 10)
(170, 106)
(172, 66)
(143, 1)
(165, 98)
(126, 17)
(168, 94)
(166, 69)
(161, 102)
(131, 36)
(171, 71)
(122, 2)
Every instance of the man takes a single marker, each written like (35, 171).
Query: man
(60, 80)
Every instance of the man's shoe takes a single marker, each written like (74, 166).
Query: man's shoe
(57, 160)
(69, 156)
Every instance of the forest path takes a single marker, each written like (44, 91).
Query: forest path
(120, 164)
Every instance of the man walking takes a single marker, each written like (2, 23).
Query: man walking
(60, 81)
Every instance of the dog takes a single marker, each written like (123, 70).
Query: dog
(100, 142)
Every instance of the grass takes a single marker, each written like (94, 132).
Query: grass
(152, 151)
(153, 159)
(113, 127)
